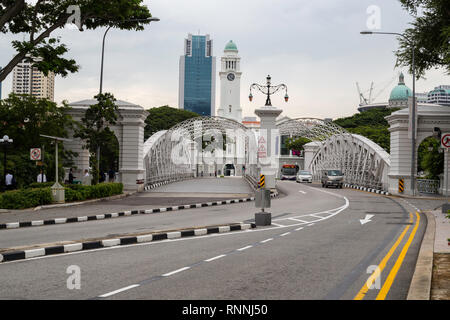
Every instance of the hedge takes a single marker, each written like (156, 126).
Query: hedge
(76, 192)
(28, 198)
(25, 198)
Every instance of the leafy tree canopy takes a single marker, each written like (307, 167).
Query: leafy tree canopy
(39, 19)
(94, 128)
(430, 32)
(370, 124)
(296, 143)
(24, 118)
(164, 118)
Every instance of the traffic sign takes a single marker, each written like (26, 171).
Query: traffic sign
(445, 140)
(262, 181)
(35, 154)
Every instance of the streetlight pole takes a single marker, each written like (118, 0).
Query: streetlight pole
(101, 68)
(413, 112)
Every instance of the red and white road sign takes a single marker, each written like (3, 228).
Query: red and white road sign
(262, 148)
(445, 141)
(35, 154)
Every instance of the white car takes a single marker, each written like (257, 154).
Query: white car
(304, 176)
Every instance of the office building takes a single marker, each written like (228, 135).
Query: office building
(197, 83)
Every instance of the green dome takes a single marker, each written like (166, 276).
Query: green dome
(401, 92)
(231, 46)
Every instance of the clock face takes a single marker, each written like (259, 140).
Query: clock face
(230, 77)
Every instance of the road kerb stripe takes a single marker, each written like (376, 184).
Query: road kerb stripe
(361, 294)
(391, 277)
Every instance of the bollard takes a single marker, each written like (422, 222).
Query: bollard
(262, 201)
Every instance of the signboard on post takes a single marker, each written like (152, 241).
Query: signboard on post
(35, 154)
(445, 140)
(262, 148)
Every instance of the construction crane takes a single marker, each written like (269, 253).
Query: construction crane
(365, 101)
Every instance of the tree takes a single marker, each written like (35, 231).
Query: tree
(94, 129)
(39, 19)
(370, 124)
(430, 32)
(24, 118)
(429, 159)
(296, 144)
(164, 118)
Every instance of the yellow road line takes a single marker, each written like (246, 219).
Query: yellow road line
(390, 279)
(361, 294)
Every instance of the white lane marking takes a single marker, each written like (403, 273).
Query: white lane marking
(106, 295)
(215, 258)
(244, 248)
(285, 234)
(302, 192)
(267, 240)
(176, 271)
(309, 225)
(278, 225)
(298, 229)
(298, 220)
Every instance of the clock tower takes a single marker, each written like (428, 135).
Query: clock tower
(230, 84)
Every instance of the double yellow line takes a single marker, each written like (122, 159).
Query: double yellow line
(393, 273)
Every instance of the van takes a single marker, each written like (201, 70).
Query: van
(332, 178)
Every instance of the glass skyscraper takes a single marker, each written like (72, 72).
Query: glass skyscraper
(197, 90)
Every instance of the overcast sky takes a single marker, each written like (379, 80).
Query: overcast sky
(314, 47)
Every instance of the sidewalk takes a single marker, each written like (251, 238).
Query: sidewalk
(440, 286)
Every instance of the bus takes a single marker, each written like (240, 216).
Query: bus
(289, 172)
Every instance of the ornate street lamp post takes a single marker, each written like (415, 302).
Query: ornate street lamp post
(5, 142)
(268, 90)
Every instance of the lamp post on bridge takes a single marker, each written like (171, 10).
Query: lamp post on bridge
(413, 112)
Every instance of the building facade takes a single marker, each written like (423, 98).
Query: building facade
(197, 83)
(440, 95)
(230, 84)
(29, 80)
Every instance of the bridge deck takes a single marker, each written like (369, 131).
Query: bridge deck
(236, 186)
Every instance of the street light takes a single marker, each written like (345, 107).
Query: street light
(413, 125)
(5, 142)
(103, 46)
(101, 70)
(268, 90)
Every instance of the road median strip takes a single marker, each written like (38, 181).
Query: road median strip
(8, 256)
(59, 221)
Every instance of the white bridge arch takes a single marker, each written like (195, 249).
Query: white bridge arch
(173, 154)
(363, 162)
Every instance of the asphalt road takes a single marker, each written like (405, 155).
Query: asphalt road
(318, 249)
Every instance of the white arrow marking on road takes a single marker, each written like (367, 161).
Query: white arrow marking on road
(367, 219)
(302, 192)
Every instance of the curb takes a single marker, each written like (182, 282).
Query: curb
(420, 288)
(106, 243)
(35, 223)
(64, 205)
(366, 189)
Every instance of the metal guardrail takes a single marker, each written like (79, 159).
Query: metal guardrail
(428, 186)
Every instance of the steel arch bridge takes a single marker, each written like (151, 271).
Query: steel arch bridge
(173, 154)
(363, 162)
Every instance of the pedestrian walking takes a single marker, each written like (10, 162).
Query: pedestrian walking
(111, 175)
